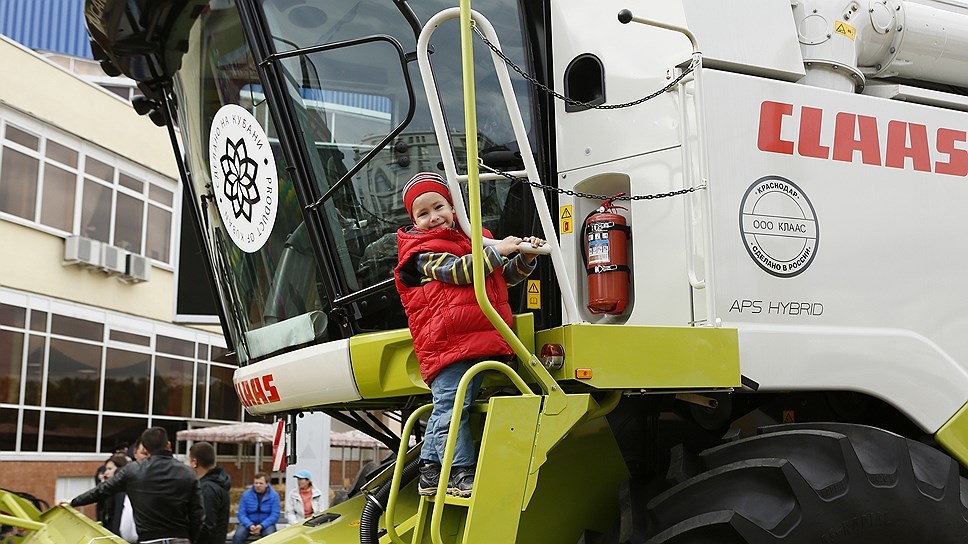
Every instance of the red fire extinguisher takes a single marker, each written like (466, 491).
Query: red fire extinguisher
(605, 238)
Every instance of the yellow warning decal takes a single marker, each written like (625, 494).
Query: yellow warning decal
(843, 28)
(789, 416)
(534, 294)
(567, 221)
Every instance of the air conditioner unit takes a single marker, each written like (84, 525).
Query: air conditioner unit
(113, 259)
(82, 251)
(138, 269)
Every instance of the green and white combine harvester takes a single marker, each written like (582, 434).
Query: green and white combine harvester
(777, 353)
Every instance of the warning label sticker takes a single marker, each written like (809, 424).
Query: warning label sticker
(567, 221)
(534, 294)
(844, 29)
(779, 226)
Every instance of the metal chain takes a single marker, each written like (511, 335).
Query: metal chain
(537, 84)
(590, 196)
(572, 101)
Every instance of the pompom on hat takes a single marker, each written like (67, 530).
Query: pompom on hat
(424, 182)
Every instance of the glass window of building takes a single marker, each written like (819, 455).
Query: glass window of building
(11, 360)
(70, 432)
(73, 374)
(65, 185)
(71, 382)
(18, 183)
(173, 387)
(223, 403)
(120, 432)
(126, 381)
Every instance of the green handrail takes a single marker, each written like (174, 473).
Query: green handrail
(555, 399)
(451, 444)
(447, 461)
(398, 472)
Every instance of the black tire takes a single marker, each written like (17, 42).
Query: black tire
(818, 483)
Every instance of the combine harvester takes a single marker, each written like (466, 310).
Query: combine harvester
(748, 328)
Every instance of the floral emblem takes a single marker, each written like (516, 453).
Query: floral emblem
(239, 172)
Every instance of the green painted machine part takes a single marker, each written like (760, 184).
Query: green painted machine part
(384, 364)
(664, 357)
(953, 435)
(512, 498)
(61, 524)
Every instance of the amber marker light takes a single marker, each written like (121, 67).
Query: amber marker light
(583, 373)
(552, 356)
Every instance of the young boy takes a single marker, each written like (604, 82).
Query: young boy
(450, 332)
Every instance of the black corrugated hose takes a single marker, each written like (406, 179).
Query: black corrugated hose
(376, 503)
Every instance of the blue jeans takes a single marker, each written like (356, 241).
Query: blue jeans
(444, 391)
(242, 533)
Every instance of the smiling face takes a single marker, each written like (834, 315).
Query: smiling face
(432, 210)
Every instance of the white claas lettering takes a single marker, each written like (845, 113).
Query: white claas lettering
(259, 390)
(906, 145)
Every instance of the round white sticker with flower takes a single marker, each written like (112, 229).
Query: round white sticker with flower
(243, 177)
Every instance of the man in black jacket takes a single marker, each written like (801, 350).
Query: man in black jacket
(165, 493)
(215, 493)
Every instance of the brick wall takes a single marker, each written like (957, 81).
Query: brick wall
(39, 478)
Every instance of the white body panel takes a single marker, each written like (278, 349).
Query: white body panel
(634, 60)
(889, 322)
(876, 310)
(761, 21)
(325, 377)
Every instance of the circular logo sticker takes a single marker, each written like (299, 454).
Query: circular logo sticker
(243, 176)
(779, 226)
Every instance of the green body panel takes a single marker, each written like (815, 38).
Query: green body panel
(953, 435)
(59, 524)
(517, 489)
(577, 488)
(384, 363)
(627, 357)
(577, 485)
(508, 440)
(553, 427)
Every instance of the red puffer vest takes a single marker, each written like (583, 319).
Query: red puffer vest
(445, 320)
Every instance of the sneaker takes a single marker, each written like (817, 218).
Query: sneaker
(429, 477)
(461, 482)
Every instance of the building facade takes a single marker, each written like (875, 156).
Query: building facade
(92, 346)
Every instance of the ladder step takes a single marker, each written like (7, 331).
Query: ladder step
(451, 499)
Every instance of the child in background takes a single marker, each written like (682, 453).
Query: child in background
(434, 276)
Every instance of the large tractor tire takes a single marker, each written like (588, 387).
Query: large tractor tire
(818, 483)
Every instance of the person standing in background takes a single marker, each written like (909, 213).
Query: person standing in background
(305, 500)
(115, 511)
(215, 492)
(165, 493)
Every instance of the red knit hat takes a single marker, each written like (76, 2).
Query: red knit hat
(424, 182)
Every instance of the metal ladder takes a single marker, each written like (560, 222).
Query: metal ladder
(535, 422)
